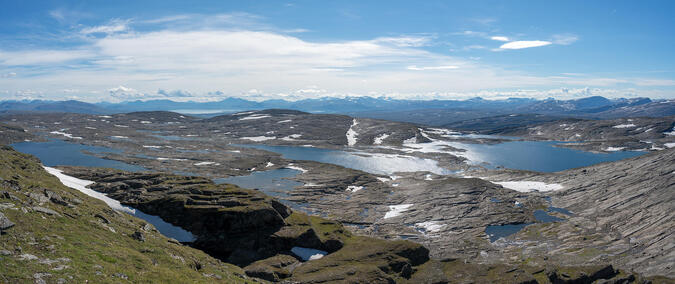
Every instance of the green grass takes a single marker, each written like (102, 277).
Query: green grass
(89, 245)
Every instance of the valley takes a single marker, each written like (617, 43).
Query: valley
(461, 194)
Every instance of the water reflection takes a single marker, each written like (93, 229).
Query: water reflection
(385, 164)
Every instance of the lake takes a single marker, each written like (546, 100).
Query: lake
(541, 156)
(383, 164)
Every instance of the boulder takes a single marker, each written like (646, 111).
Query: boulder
(5, 223)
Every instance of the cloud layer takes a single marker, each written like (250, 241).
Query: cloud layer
(209, 57)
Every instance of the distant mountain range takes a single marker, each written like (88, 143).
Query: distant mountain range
(431, 112)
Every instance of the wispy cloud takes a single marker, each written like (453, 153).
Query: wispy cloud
(446, 67)
(209, 57)
(520, 44)
(114, 26)
(564, 39)
(499, 38)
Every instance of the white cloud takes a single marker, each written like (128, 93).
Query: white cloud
(40, 57)
(200, 63)
(406, 41)
(114, 26)
(446, 67)
(524, 44)
(564, 39)
(124, 93)
(8, 75)
(499, 38)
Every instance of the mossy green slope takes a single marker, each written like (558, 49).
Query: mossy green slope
(79, 239)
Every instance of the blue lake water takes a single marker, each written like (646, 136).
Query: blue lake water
(272, 182)
(503, 231)
(541, 156)
(371, 163)
(61, 153)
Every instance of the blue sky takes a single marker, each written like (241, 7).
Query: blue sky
(209, 50)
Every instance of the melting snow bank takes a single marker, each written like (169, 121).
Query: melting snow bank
(353, 188)
(65, 134)
(380, 138)
(292, 167)
(396, 210)
(163, 227)
(624, 126)
(80, 185)
(259, 138)
(528, 186)
(430, 226)
(308, 253)
(351, 134)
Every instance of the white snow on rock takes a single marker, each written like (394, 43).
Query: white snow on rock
(80, 185)
(353, 188)
(379, 139)
(671, 133)
(152, 146)
(613, 149)
(292, 167)
(284, 121)
(170, 159)
(65, 134)
(624, 126)
(269, 164)
(528, 186)
(105, 116)
(430, 226)
(145, 122)
(243, 113)
(396, 210)
(255, 116)
(428, 177)
(89, 127)
(383, 179)
(308, 253)
(351, 134)
(291, 137)
(259, 138)
(204, 163)
(669, 145)
(119, 137)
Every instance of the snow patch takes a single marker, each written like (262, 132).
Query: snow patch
(269, 164)
(669, 145)
(307, 254)
(353, 188)
(383, 179)
(284, 121)
(259, 138)
(255, 116)
(65, 134)
(396, 210)
(119, 137)
(613, 149)
(430, 226)
(170, 159)
(351, 134)
(292, 167)
(528, 186)
(204, 163)
(624, 126)
(80, 185)
(380, 138)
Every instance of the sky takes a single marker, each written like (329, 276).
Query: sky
(210, 50)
